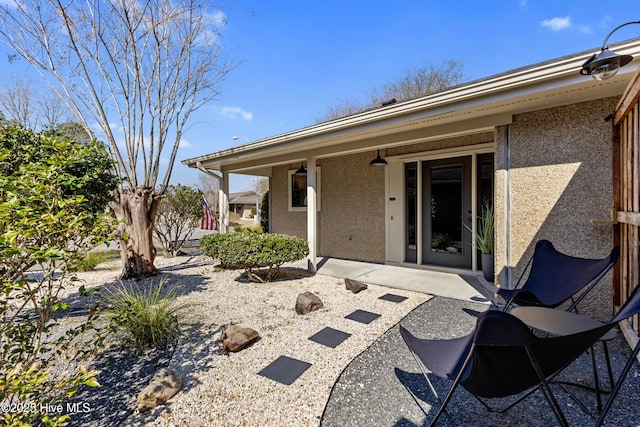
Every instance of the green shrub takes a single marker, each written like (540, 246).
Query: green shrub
(149, 318)
(251, 251)
(53, 193)
(178, 216)
(209, 243)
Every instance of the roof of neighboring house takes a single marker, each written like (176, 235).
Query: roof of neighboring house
(244, 197)
(472, 107)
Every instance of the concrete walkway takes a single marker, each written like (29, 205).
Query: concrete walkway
(449, 285)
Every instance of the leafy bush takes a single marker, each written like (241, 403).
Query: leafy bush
(177, 218)
(251, 251)
(52, 198)
(210, 243)
(149, 318)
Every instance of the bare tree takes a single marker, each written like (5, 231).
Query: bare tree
(32, 108)
(17, 101)
(146, 64)
(54, 113)
(259, 185)
(415, 83)
(210, 187)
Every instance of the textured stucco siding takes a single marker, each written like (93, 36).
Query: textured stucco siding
(280, 219)
(445, 143)
(559, 179)
(353, 209)
(351, 219)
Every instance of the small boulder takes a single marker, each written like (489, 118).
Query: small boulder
(354, 285)
(162, 387)
(235, 338)
(308, 302)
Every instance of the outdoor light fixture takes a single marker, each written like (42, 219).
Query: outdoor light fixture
(235, 138)
(301, 170)
(378, 161)
(606, 64)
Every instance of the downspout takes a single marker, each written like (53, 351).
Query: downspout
(223, 196)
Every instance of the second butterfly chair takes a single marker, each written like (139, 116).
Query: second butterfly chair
(555, 278)
(503, 357)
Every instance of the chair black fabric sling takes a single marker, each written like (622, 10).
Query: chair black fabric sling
(502, 358)
(555, 278)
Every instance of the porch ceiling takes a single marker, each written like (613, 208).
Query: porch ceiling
(470, 108)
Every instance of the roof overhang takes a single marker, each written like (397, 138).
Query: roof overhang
(473, 107)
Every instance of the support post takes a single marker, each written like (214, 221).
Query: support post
(312, 226)
(224, 203)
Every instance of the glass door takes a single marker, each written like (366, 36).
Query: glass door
(446, 204)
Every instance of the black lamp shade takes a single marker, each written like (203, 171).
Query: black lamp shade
(378, 161)
(604, 65)
(301, 170)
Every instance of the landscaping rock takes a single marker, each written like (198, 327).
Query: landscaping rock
(235, 338)
(308, 302)
(354, 285)
(162, 387)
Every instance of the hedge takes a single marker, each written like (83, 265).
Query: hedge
(251, 251)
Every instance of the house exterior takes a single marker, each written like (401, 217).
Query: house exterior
(535, 142)
(244, 203)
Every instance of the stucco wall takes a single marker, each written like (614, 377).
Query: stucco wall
(445, 143)
(351, 219)
(280, 219)
(558, 178)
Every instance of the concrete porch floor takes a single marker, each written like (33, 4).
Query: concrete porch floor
(448, 285)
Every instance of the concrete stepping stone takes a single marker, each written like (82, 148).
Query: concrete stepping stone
(330, 337)
(285, 370)
(393, 297)
(362, 316)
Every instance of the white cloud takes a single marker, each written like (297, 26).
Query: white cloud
(185, 144)
(219, 18)
(557, 24)
(236, 112)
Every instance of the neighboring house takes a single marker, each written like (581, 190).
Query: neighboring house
(244, 203)
(536, 141)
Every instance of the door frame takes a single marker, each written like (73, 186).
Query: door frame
(429, 257)
(395, 218)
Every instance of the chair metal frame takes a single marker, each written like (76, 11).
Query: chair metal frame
(543, 355)
(533, 294)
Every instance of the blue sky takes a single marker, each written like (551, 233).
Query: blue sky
(299, 57)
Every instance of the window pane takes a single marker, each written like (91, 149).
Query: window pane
(298, 191)
(446, 208)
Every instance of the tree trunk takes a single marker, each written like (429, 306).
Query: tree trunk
(136, 212)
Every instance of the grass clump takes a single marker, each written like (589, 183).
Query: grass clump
(149, 318)
(90, 260)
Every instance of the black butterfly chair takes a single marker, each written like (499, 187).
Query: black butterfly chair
(555, 278)
(503, 357)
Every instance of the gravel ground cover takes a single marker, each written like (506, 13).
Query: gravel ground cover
(224, 389)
